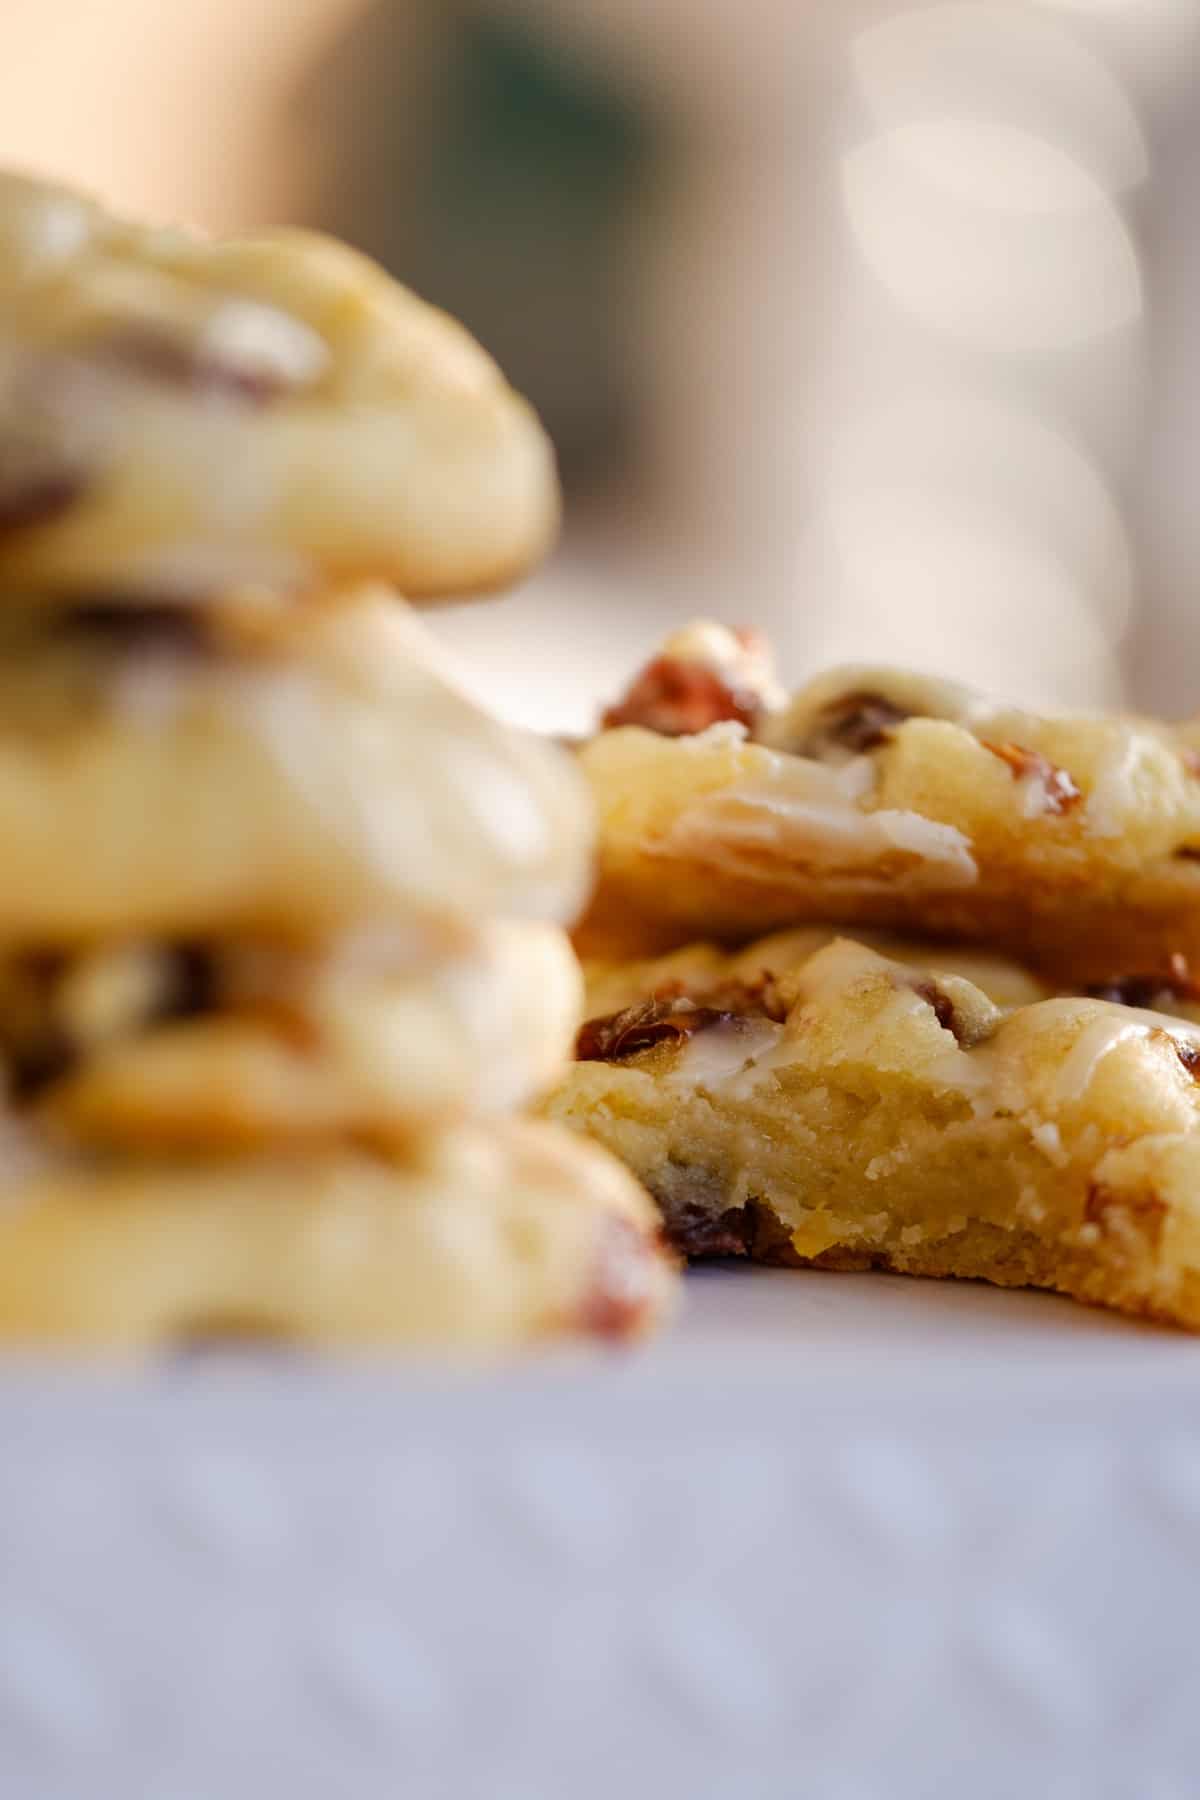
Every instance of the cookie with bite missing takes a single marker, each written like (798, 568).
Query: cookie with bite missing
(851, 1111)
(883, 799)
(480, 1239)
(180, 415)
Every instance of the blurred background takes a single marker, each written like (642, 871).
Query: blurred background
(870, 323)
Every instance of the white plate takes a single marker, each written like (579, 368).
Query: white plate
(838, 1536)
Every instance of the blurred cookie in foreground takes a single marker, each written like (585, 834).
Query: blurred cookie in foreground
(479, 1240)
(879, 798)
(182, 414)
(235, 1043)
(159, 776)
(283, 911)
(850, 1111)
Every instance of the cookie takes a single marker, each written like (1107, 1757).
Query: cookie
(887, 800)
(613, 984)
(858, 1112)
(180, 415)
(157, 780)
(483, 1238)
(228, 1044)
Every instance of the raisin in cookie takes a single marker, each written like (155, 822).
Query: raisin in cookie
(159, 779)
(857, 1112)
(879, 798)
(480, 1239)
(148, 1045)
(180, 415)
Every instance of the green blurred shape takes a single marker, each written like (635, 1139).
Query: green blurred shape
(538, 164)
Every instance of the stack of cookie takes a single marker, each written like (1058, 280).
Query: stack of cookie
(281, 923)
(969, 1045)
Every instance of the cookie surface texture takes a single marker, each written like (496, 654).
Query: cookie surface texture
(484, 1239)
(322, 778)
(876, 798)
(182, 414)
(859, 1112)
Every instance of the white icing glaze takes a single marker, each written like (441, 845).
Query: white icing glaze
(1104, 1026)
(838, 964)
(1034, 791)
(836, 968)
(1048, 1139)
(55, 232)
(946, 848)
(991, 1077)
(1101, 1027)
(41, 227)
(812, 811)
(1098, 1037)
(263, 340)
(857, 779)
(720, 1053)
(1114, 789)
(1180, 1029)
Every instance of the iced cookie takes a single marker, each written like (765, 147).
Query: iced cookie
(180, 415)
(484, 1238)
(150, 1045)
(883, 799)
(858, 1112)
(613, 983)
(156, 779)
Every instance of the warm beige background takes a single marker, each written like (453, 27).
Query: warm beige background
(173, 107)
(898, 405)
